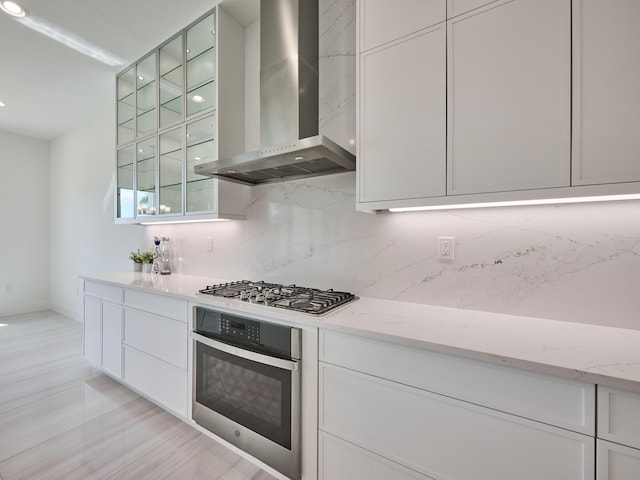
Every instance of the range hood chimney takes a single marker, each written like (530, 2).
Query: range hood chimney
(291, 147)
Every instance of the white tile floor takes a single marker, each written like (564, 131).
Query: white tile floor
(60, 419)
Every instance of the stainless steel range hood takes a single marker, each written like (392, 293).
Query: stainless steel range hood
(290, 145)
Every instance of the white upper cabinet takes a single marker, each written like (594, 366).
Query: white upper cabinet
(402, 98)
(383, 21)
(606, 103)
(509, 97)
(402, 121)
(458, 7)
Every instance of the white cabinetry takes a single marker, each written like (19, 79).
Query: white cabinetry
(606, 75)
(402, 126)
(618, 434)
(509, 97)
(382, 410)
(155, 348)
(103, 327)
(402, 100)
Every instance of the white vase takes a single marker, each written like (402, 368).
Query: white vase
(137, 267)
(146, 267)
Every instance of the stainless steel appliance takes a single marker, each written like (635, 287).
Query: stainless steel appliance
(291, 146)
(290, 297)
(246, 385)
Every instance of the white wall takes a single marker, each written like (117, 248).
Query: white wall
(24, 224)
(83, 236)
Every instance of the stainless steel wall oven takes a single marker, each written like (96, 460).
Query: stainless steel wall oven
(246, 385)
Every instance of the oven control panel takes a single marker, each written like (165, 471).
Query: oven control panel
(240, 328)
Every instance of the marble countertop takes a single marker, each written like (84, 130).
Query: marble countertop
(590, 353)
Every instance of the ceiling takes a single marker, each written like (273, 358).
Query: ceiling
(49, 87)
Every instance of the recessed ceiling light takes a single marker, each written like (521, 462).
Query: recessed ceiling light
(12, 8)
(198, 98)
(2, 104)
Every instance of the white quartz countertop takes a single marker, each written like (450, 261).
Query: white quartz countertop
(595, 354)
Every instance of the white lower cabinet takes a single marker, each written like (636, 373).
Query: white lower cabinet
(617, 462)
(618, 434)
(162, 382)
(103, 327)
(156, 348)
(376, 422)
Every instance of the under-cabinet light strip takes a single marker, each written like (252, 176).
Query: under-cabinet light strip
(165, 222)
(544, 201)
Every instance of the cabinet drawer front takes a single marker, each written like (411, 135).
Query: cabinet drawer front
(159, 304)
(616, 462)
(619, 416)
(106, 292)
(163, 383)
(431, 433)
(158, 336)
(340, 460)
(564, 403)
(382, 21)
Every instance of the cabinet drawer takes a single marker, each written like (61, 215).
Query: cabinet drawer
(430, 433)
(616, 462)
(161, 382)
(106, 292)
(159, 304)
(158, 336)
(340, 460)
(619, 416)
(564, 403)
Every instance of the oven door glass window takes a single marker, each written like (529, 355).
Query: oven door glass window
(253, 394)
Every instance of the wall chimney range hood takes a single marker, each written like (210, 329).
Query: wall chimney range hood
(291, 147)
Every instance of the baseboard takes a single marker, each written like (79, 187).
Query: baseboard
(68, 312)
(9, 310)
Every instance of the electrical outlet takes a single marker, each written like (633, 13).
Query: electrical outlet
(446, 247)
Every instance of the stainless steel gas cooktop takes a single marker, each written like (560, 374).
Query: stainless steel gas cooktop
(291, 297)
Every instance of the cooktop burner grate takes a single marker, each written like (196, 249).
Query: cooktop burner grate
(291, 297)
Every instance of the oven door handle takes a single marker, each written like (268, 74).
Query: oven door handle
(291, 365)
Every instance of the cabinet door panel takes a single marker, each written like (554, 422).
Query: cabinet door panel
(458, 7)
(93, 330)
(382, 21)
(509, 97)
(402, 119)
(617, 462)
(606, 140)
(112, 338)
(619, 416)
(431, 433)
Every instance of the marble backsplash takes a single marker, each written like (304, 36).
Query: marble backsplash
(578, 262)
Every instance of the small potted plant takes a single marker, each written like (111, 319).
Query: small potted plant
(137, 261)
(147, 260)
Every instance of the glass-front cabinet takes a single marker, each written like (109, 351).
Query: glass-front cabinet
(167, 123)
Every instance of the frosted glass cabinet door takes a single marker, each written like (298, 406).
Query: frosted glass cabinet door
(171, 172)
(201, 148)
(125, 203)
(146, 95)
(606, 126)
(402, 136)
(509, 97)
(201, 65)
(146, 178)
(126, 83)
(171, 73)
